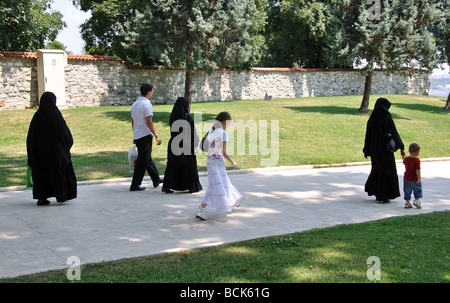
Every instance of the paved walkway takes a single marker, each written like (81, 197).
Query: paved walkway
(108, 222)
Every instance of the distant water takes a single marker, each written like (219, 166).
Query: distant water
(439, 93)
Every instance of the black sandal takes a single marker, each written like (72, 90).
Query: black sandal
(41, 202)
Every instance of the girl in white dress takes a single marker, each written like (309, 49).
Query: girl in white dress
(220, 195)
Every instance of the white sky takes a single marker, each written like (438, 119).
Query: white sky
(71, 37)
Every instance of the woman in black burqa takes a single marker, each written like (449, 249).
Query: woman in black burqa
(181, 171)
(383, 179)
(48, 146)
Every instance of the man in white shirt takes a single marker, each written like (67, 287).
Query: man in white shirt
(143, 132)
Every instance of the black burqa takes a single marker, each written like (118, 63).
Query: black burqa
(48, 146)
(181, 171)
(383, 179)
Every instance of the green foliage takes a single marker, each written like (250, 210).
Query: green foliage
(26, 25)
(101, 31)
(441, 30)
(296, 33)
(207, 34)
(199, 34)
(390, 34)
(396, 36)
(56, 45)
(257, 32)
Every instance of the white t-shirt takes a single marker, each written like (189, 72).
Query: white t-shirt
(216, 137)
(141, 109)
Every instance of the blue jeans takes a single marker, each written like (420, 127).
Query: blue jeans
(411, 186)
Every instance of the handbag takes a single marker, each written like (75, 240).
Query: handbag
(390, 143)
(29, 182)
(204, 146)
(132, 156)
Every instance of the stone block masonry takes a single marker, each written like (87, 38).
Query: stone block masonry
(101, 81)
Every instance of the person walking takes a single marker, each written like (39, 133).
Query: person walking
(412, 179)
(143, 132)
(181, 170)
(383, 179)
(49, 141)
(220, 195)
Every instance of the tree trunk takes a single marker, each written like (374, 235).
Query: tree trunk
(447, 105)
(188, 85)
(189, 58)
(364, 108)
(189, 70)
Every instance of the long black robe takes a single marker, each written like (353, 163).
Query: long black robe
(181, 171)
(383, 179)
(48, 146)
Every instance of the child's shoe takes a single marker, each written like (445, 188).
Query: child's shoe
(408, 204)
(201, 214)
(417, 203)
(238, 202)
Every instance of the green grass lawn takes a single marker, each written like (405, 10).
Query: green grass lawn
(319, 130)
(411, 249)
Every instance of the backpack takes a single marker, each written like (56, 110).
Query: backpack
(204, 146)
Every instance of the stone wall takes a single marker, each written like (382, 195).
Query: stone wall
(99, 81)
(18, 82)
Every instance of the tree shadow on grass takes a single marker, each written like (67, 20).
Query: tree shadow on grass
(159, 116)
(334, 110)
(126, 116)
(13, 170)
(337, 110)
(432, 109)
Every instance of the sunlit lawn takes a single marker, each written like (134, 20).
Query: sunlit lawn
(318, 130)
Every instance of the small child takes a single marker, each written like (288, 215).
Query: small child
(220, 195)
(412, 179)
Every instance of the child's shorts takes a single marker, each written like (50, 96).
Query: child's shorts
(411, 186)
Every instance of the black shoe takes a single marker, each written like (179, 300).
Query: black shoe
(157, 183)
(136, 188)
(41, 202)
(167, 190)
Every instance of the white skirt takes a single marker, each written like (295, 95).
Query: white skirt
(220, 194)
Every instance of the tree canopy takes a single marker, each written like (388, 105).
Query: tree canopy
(441, 32)
(193, 34)
(102, 32)
(208, 34)
(26, 25)
(296, 33)
(392, 34)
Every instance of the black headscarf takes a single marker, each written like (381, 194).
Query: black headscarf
(49, 139)
(180, 110)
(378, 125)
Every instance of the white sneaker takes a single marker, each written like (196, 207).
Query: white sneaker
(417, 204)
(201, 214)
(408, 205)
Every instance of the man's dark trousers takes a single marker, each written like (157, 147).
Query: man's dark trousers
(144, 162)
